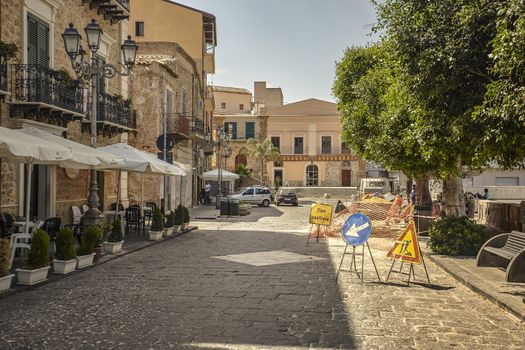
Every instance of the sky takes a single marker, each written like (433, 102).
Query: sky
(291, 44)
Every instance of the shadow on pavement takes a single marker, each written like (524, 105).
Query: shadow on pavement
(179, 294)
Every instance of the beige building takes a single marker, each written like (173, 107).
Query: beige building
(194, 31)
(308, 134)
(38, 88)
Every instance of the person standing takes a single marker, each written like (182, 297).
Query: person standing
(413, 195)
(486, 194)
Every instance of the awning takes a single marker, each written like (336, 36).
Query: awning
(143, 162)
(83, 157)
(213, 175)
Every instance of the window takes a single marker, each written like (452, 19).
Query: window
(507, 181)
(326, 144)
(37, 41)
(241, 107)
(139, 28)
(262, 191)
(312, 175)
(223, 105)
(276, 141)
(231, 128)
(344, 148)
(101, 79)
(250, 130)
(298, 145)
(182, 102)
(248, 192)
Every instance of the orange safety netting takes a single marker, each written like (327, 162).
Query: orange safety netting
(387, 217)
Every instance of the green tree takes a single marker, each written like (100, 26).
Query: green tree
(262, 151)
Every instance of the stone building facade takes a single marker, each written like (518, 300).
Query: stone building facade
(35, 27)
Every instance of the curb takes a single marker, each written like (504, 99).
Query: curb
(520, 314)
(111, 257)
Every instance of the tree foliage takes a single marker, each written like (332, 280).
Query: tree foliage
(262, 151)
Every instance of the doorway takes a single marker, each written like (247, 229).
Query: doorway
(346, 178)
(278, 177)
(40, 195)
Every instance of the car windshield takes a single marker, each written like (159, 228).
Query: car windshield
(240, 190)
(286, 193)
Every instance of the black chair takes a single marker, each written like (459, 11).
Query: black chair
(149, 214)
(78, 229)
(52, 226)
(134, 219)
(113, 206)
(6, 225)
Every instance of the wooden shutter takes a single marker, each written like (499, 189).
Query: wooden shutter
(37, 41)
(250, 130)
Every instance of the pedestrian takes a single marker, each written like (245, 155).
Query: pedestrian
(486, 194)
(413, 195)
(207, 189)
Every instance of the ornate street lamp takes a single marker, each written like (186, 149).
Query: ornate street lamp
(89, 72)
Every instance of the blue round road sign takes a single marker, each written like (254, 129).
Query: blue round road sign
(357, 229)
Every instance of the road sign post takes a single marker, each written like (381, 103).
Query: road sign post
(355, 232)
(406, 250)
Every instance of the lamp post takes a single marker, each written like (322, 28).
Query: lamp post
(89, 74)
(222, 136)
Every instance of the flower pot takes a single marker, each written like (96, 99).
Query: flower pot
(112, 247)
(85, 260)
(155, 235)
(168, 231)
(176, 228)
(64, 266)
(30, 277)
(98, 252)
(5, 282)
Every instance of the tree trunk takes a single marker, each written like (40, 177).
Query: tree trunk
(453, 197)
(423, 191)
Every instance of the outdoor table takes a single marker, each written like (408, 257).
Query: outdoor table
(21, 225)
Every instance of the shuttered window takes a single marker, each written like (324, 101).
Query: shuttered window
(250, 130)
(37, 41)
(101, 80)
(231, 128)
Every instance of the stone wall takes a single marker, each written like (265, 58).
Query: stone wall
(332, 174)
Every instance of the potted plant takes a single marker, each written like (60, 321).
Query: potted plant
(186, 219)
(168, 225)
(157, 226)
(115, 238)
(37, 263)
(65, 261)
(179, 219)
(86, 251)
(5, 265)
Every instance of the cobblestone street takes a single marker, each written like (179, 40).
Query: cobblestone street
(210, 289)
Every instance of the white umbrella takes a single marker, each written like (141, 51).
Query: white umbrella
(143, 162)
(213, 175)
(84, 157)
(22, 148)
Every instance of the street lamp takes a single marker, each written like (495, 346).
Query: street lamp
(89, 74)
(222, 136)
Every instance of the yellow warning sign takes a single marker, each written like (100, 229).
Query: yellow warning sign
(406, 247)
(321, 214)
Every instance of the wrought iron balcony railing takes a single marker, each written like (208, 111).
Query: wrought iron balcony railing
(41, 85)
(3, 77)
(177, 124)
(197, 126)
(115, 10)
(115, 110)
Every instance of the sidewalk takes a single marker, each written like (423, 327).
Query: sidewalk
(489, 282)
(204, 212)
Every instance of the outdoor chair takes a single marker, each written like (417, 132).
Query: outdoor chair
(52, 226)
(134, 219)
(6, 225)
(85, 208)
(78, 229)
(113, 206)
(77, 214)
(149, 214)
(21, 240)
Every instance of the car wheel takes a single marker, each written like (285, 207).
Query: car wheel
(265, 203)
(295, 204)
(277, 203)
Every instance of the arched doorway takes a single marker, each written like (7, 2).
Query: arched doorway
(312, 175)
(240, 159)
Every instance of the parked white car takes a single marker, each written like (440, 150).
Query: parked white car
(262, 196)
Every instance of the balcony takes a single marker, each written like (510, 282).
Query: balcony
(114, 114)
(114, 10)
(321, 154)
(178, 126)
(48, 95)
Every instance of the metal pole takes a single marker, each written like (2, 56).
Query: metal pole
(93, 215)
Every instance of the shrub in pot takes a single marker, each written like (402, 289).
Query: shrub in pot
(179, 218)
(37, 263)
(457, 236)
(5, 265)
(186, 218)
(168, 225)
(65, 261)
(115, 238)
(157, 226)
(86, 251)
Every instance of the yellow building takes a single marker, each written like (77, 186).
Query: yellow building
(308, 134)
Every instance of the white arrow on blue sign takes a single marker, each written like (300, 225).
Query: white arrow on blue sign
(357, 229)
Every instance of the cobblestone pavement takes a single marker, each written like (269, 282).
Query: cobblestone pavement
(199, 292)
